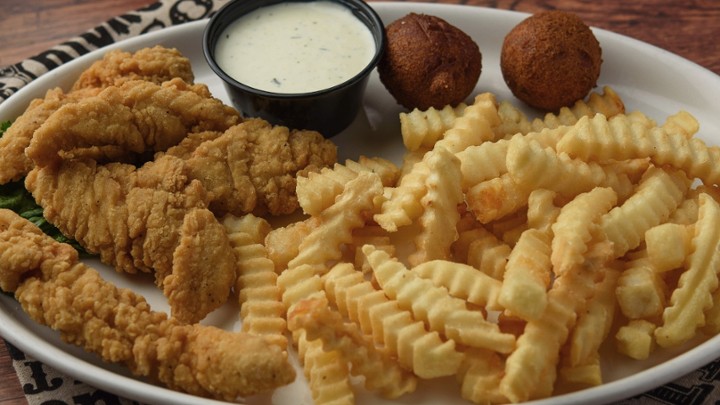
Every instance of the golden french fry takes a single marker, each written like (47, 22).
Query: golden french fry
(527, 276)
(601, 139)
(636, 339)
(482, 250)
(572, 232)
(318, 190)
(514, 121)
(422, 128)
(480, 377)
(382, 374)
(594, 324)
(681, 122)
(534, 167)
(658, 194)
(542, 212)
(440, 215)
(353, 205)
(474, 127)
(443, 313)
(641, 290)
(423, 352)
(668, 245)
(531, 369)
(261, 309)
(693, 295)
(462, 281)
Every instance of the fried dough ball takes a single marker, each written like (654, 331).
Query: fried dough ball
(428, 62)
(551, 60)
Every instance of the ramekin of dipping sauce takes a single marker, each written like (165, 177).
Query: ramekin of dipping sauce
(301, 64)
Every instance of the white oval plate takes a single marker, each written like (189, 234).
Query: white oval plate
(648, 79)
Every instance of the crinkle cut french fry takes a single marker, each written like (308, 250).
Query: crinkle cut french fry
(482, 250)
(530, 370)
(659, 193)
(382, 374)
(574, 226)
(358, 198)
(581, 376)
(534, 167)
(542, 212)
(668, 245)
(283, 244)
(594, 324)
(641, 290)
(462, 281)
(607, 103)
(318, 190)
(681, 122)
(261, 309)
(443, 313)
(487, 160)
(409, 160)
(480, 377)
(693, 295)
(600, 139)
(496, 198)
(474, 127)
(328, 376)
(417, 349)
(440, 215)
(422, 128)
(635, 339)
(403, 206)
(527, 276)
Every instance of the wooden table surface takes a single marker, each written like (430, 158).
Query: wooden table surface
(687, 28)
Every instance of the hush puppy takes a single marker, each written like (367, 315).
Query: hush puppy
(551, 60)
(428, 62)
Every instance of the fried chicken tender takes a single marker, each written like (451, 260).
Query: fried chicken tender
(134, 118)
(151, 219)
(156, 64)
(252, 167)
(55, 289)
(14, 165)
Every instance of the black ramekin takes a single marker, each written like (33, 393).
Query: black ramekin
(327, 111)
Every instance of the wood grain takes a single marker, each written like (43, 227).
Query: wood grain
(688, 28)
(30, 27)
(10, 391)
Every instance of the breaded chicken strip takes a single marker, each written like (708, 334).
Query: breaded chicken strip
(152, 219)
(157, 64)
(14, 165)
(134, 118)
(57, 290)
(252, 167)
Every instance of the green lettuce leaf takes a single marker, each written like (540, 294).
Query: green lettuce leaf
(15, 197)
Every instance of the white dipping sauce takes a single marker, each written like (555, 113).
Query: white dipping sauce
(295, 47)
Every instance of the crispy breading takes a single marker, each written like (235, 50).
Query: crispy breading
(134, 118)
(253, 166)
(14, 165)
(57, 290)
(147, 219)
(157, 64)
